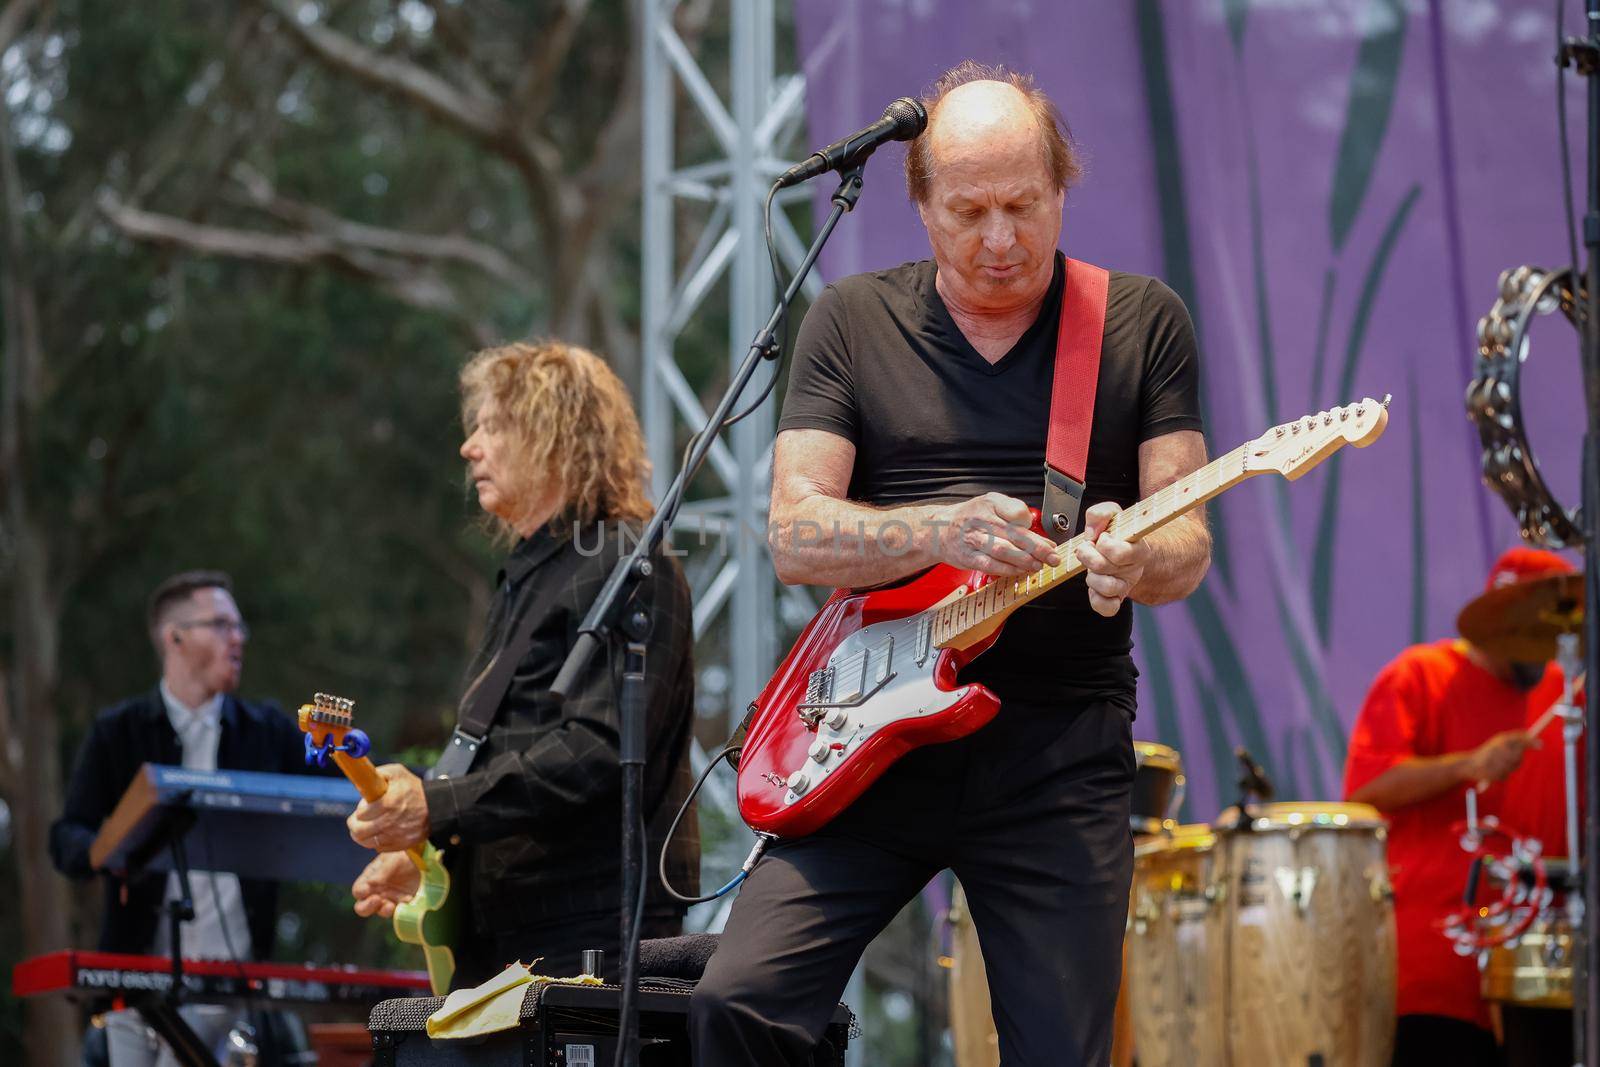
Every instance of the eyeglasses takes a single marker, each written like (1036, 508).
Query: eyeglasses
(221, 625)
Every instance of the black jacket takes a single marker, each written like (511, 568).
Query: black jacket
(254, 737)
(535, 823)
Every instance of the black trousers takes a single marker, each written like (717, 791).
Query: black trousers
(557, 945)
(1031, 813)
(1427, 1040)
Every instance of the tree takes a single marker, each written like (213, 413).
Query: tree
(245, 249)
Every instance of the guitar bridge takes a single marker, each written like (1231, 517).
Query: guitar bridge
(819, 688)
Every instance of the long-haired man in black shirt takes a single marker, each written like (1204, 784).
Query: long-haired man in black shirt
(531, 832)
(916, 420)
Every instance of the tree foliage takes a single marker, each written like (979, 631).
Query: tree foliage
(246, 246)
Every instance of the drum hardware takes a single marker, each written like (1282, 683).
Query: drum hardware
(1253, 782)
(1379, 887)
(1524, 941)
(1297, 885)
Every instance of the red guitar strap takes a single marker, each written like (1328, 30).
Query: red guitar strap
(1077, 376)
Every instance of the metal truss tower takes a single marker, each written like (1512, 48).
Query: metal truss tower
(704, 257)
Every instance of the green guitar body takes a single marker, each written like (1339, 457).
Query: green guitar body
(430, 919)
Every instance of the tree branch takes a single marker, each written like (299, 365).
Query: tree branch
(530, 97)
(12, 18)
(405, 245)
(22, 340)
(417, 286)
(476, 114)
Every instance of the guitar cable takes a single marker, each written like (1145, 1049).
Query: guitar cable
(731, 754)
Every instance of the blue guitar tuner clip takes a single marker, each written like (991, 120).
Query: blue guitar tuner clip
(356, 744)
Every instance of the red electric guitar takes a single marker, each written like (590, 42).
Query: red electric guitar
(874, 674)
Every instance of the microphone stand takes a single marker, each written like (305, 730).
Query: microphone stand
(1584, 53)
(605, 618)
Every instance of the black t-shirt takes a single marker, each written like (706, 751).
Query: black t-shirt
(880, 362)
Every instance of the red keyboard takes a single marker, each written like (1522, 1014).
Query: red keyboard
(113, 974)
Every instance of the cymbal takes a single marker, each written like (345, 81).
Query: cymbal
(1521, 621)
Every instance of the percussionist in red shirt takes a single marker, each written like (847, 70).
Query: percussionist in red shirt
(1439, 719)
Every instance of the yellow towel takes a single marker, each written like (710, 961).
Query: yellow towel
(493, 1006)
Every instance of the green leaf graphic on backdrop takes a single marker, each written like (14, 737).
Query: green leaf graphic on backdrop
(1258, 262)
(1309, 751)
(1312, 685)
(1222, 761)
(1319, 356)
(1228, 668)
(1235, 12)
(1328, 513)
(1177, 255)
(1372, 86)
(1158, 669)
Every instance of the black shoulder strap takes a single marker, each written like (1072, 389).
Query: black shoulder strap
(481, 702)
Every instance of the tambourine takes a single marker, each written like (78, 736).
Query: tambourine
(1494, 402)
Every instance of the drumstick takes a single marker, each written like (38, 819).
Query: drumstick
(1534, 731)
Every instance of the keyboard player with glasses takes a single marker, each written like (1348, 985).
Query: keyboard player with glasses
(191, 718)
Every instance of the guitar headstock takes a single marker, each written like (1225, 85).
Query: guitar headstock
(1295, 447)
(329, 723)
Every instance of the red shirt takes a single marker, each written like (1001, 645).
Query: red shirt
(1431, 701)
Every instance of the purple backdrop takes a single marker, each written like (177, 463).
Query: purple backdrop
(1334, 189)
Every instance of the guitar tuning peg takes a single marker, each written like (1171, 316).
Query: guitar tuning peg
(1344, 414)
(1327, 418)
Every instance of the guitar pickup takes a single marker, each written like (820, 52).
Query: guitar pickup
(924, 638)
(847, 684)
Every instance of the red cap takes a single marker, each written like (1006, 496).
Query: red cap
(1520, 564)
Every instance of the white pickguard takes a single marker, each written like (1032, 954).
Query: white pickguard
(879, 675)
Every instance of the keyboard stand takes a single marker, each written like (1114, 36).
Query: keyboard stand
(160, 1013)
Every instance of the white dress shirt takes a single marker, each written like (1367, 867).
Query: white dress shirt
(219, 930)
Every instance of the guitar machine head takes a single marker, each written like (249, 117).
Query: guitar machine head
(1295, 447)
(329, 725)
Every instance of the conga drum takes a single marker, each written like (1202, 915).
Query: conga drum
(1310, 918)
(1175, 954)
(1158, 786)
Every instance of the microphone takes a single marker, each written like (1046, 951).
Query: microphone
(1253, 778)
(902, 120)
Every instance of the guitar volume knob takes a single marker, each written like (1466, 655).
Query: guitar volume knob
(798, 782)
(837, 718)
(819, 751)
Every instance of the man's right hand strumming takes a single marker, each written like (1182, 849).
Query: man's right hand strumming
(990, 533)
(389, 880)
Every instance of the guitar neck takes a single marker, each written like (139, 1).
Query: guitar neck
(371, 785)
(368, 782)
(998, 599)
